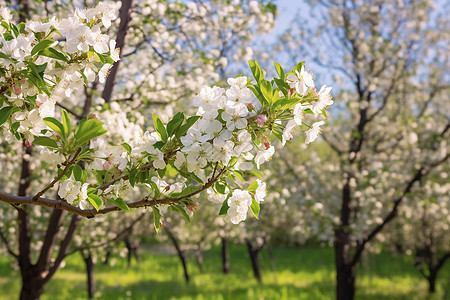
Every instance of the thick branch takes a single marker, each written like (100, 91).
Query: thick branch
(8, 247)
(120, 40)
(63, 247)
(90, 213)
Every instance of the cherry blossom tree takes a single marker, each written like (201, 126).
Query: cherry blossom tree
(391, 129)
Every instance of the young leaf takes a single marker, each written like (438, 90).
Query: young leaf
(88, 130)
(184, 128)
(56, 126)
(95, 201)
(175, 123)
(66, 123)
(52, 53)
(224, 208)
(156, 218)
(182, 211)
(255, 208)
(159, 127)
(41, 46)
(120, 204)
(5, 112)
(45, 141)
(253, 186)
(280, 70)
(127, 147)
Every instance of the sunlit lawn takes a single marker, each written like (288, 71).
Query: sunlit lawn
(303, 273)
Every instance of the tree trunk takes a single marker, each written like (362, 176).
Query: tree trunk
(199, 258)
(90, 275)
(225, 256)
(345, 271)
(432, 281)
(32, 285)
(107, 256)
(129, 250)
(254, 253)
(180, 252)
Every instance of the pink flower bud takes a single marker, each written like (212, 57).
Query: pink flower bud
(17, 90)
(261, 120)
(92, 116)
(28, 143)
(250, 105)
(167, 188)
(267, 145)
(106, 165)
(56, 134)
(190, 208)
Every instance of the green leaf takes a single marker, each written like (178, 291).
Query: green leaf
(159, 127)
(182, 211)
(161, 172)
(280, 71)
(184, 128)
(5, 112)
(256, 70)
(267, 90)
(220, 188)
(283, 103)
(255, 208)
(88, 130)
(132, 177)
(45, 141)
(156, 218)
(297, 67)
(52, 53)
(253, 186)
(238, 174)
(188, 190)
(257, 92)
(283, 86)
(127, 147)
(255, 173)
(224, 208)
(120, 204)
(175, 123)
(79, 174)
(15, 30)
(66, 123)
(56, 126)
(41, 46)
(95, 201)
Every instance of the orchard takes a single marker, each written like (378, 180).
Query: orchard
(157, 131)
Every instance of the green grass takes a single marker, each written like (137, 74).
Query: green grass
(303, 273)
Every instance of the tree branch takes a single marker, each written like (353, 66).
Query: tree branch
(90, 213)
(8, 247)
(68, 165)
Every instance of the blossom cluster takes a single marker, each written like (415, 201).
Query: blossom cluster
(43, 62)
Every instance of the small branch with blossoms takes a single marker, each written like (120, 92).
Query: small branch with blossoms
(235, 129)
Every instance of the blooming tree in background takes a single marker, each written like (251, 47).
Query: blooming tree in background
(391, 128)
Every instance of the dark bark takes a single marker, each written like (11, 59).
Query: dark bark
(254, 254)
(345, 271)
(107, 256)
(225, 256)
(432, 281)
(199, 258)
(90, 274)
(180, 252)
(120, 40)
(24, 10)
